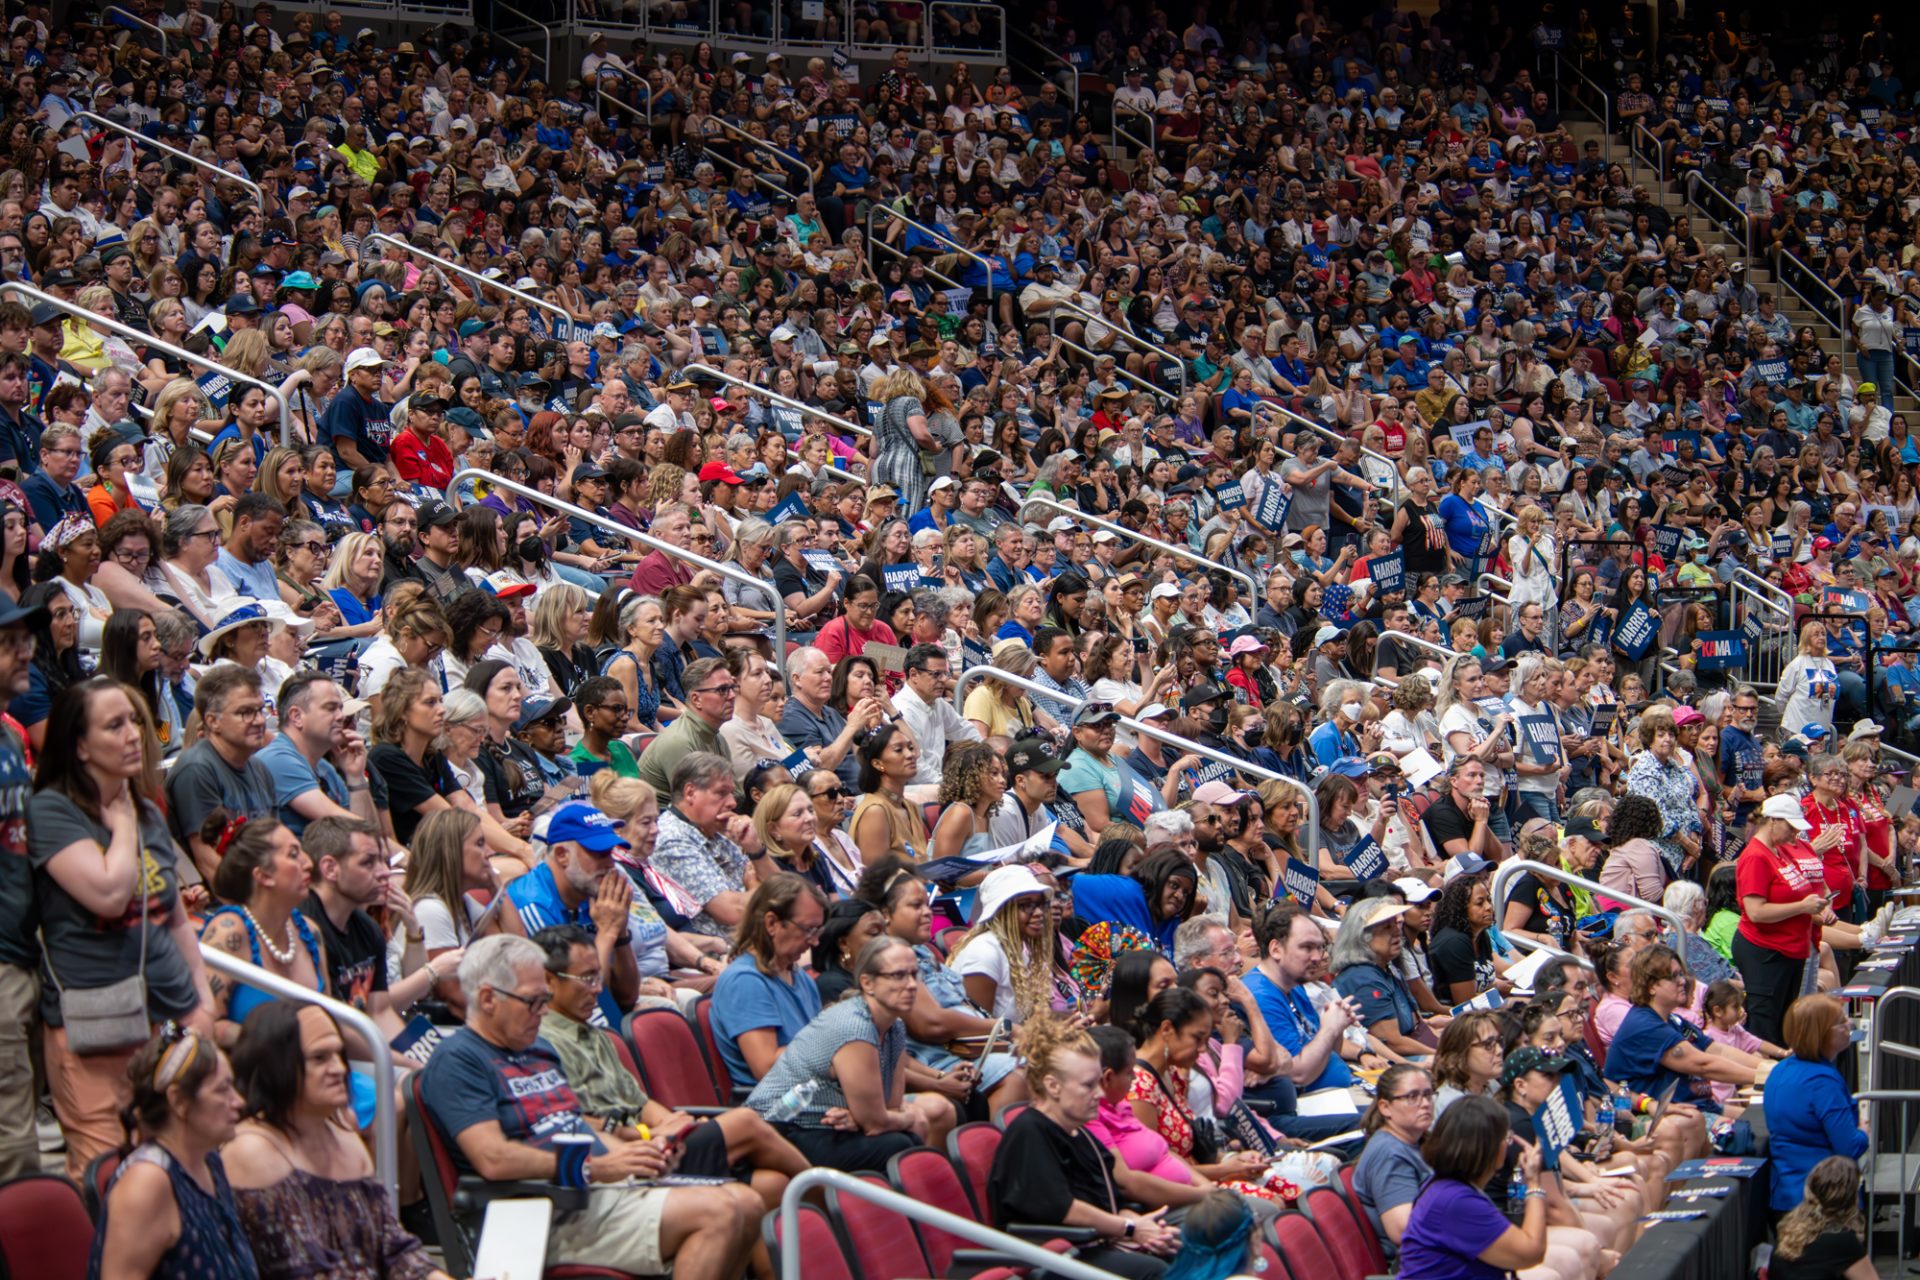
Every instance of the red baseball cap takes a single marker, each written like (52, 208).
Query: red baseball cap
(719, 471)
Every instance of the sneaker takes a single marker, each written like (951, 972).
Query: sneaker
(52, 1139)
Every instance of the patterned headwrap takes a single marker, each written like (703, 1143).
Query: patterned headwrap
(1099, 947)
(70, 529)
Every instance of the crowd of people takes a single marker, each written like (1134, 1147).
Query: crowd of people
(1080, 661)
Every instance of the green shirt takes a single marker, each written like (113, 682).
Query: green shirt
(686, 735)
(619, 759)
(1720, 930)
(606, 1089)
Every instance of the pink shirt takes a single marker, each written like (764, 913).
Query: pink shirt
(1120, 1131)
(1739, 1038)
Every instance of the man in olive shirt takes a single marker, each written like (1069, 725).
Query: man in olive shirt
(609, 1092)
(709, 690)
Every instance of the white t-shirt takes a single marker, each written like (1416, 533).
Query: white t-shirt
(211, 605)
(1463, 718)
(377, 665)
(1810, 686)
(985, 956)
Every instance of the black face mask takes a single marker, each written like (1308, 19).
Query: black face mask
(532, 549)
(1217, 716)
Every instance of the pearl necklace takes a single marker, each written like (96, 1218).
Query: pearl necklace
(293, 939)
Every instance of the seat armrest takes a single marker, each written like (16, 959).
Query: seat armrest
(704, 1113)
(472, 1195)
(1041, 1232)
(1260, 1106)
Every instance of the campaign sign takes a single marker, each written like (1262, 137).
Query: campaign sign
(1773, 372)
(1752, 629)
(1637, 631)
(1389, 572)
(1302, 881)
(1272, 512)
(1671, 441)
(1781, 544)
(1213, 771)
(821, 561)
(1367, 860)
(1720, 650)
(791, 507)
(796, 762)
(1666, 541)
(1910, 340)
(1603, 719)
(1834, 600)
(1558, 1121)
(1542, 738)
(902, 577)
(1471, 607)
(1602, 629)
(1462, 433)
(1230, 496)
(216, 387)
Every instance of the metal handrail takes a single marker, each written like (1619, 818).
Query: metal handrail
(787, 162)
(1028, 1254)
(904, 256)
(1891, 996)
(878, 208)
(1509, 871)
(1446, 655)
(1149, 147)
(637, 78)
(1759, 586)
(546, 62)
(1396, 492)
(1694, 180)
(1481, 582)
(1838, 320)
(386, 1150)
(622, 104)
(138, 21)
(937, 50)
(1658, 162)
(754, 388)
(1898, 754)
(1119, 369)
(259, 193)
(1046, 53)
(730, 571)
(1128, 335)
(554, 308)
(987, 671)
(738, 168)
(1253, 588)
(871, 47)
(1606, 101)
(74, 309)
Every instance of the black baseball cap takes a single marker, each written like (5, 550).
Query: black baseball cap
(436, 513)
(1032, 757)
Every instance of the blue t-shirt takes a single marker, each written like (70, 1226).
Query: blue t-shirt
(1643, 1039)
(352, 612)
(1740, 764)
(232, 432)
(293, 777)
(537, 898)
(361, 421)
(1451, 1225)
(1466, 524)
(1292, 1019)
(1388, 1174)
(1380, 995)
(745, 999)
(469, 1081)
(250, 579)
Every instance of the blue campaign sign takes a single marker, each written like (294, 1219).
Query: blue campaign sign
(1720, 650)
(1672, 441)
(1602, 629)
(1462, 432)
(1542, 738)
(902, 577)
(1271, 514)
(791, 507)
(1781, 544)
(1558, 1121)
(1302, 881)
(1772, 372)
(821, 561)
(1212, 771)
(1230, 496)
(1910, 340)
(1637, 631)
(1834, 600)
(1666, 541)
(1389, 572)
(1753, 628)
(216, 387)
(1367, 860)
(796, 762)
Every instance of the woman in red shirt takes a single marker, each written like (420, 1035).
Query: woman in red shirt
(420, 453)
(849, 635)
(1246, 655)
(1783, 900)
(1869, 801)
(1835, 831)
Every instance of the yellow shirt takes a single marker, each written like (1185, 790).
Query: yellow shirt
(984, 704)
(363, 163)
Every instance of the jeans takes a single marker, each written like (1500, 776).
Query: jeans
(1537, 804)
(592, 583)
(1877, 367)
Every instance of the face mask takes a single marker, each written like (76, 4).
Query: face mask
(532, 549)
(1699, 557)
(1351, 710)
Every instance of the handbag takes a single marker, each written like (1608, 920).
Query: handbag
(111, 1018)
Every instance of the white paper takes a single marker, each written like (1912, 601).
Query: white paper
(513, 1240)
(1037, 843)
(1522, 975)
(76, 146)
(1341, 1139)
(1327, 1102)
(1418, 767)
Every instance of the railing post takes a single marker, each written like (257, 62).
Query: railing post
(1253, 588)
(1513, 869)
(259, 193)
(754, 388)
(381, 237)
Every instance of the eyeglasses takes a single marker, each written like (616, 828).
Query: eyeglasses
(726, 690)
(254, 711)
(831, 793)
(592, 981)
(202, 533)
(315, 548)
(1412, 1095)
(60, 453)
(1486, 1042)
(132, 559)
(811, 932)
(896, 975)
(536, 1005)
(619, 709)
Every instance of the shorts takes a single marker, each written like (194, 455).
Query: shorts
(619, 1229)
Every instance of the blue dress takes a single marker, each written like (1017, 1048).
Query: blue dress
(212, 1244)
(646, 696)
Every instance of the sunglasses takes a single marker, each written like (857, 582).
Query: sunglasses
(831, 793)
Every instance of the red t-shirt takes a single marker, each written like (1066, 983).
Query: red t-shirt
(1841, 863)
(1877, 823)
(1785, 876)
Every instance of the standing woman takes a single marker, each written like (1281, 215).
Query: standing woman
(1531, 552)
(883, 822)
(1663, 773)
(1810, 1111)
(1469, 529)
(904, 435)
(169, 1211)
(1869, 800)
(106, 890)
(1810, 684)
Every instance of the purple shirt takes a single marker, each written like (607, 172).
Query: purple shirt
(1451, 1225)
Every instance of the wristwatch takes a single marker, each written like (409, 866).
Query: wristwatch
(1128, 1233)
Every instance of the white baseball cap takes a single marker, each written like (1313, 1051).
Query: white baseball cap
(1787, 809)
(1165, 591)
(364, 358)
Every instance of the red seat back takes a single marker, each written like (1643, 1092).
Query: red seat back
(881, 1243)
(622, 1052)
(1274, 1268)
(668, 1056)
(819, 1245)
(1007, 1114)
(97, 1179)
(972, 1146)
(1354, 1248)
(45, 1233)
(439, 1177)
(702, 1020)
(930, 1178)
(1302, 1249)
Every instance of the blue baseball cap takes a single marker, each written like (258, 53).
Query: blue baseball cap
(1350, 767)
(534, 710)
(586, 826)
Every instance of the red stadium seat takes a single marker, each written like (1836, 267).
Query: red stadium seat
(45, 1233)
(972, 1147)
(929, 1177)
(672, 1067)
(1008, 1114)
(97, 1179)
(1275, 1269)
(819, 1245)
(1304, 1252)
(702, 1020)
(881, 1243)
(1353, 1245)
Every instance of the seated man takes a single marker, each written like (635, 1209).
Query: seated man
(609, 1093)
(501, 1093)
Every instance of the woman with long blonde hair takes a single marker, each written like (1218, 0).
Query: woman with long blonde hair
(1006, 958)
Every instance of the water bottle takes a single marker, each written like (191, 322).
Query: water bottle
(1603, 1114)
(1516, 1188)
(793, 1102)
